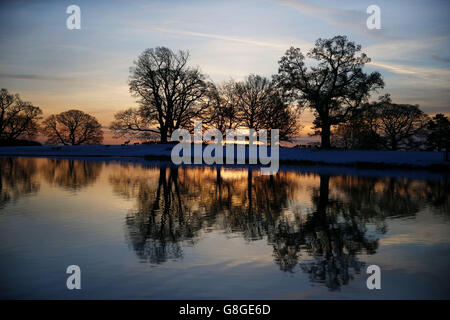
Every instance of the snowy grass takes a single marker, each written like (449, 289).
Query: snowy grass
(287, 155)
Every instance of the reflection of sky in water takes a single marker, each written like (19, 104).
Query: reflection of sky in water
(155, 232)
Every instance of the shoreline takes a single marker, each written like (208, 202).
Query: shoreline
(436, 167)
(406, 160)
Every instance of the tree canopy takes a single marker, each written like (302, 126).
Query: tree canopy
(169, 93)
(399, 123)
(17, 118)
(73, 127)
(332, 87)
(438, 129)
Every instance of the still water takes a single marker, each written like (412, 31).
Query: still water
(149, 230)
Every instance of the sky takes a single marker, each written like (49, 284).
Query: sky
(59, 69)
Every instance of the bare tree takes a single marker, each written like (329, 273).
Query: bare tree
(261, 106)
(73, 127)
(17, 118)
(133, 123)
(333, 87)
(222, 107)
(254, 97)
(360, 131)
(170, 94)
(399, 123)
(282, 116)
(438, 133)
(254, 103)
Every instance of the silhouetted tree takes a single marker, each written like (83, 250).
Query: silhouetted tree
(170, 95)
(400, 123)
(280, 115)
(17, 118)
(222, 107)
(260, 106)
(360, 131)
(73, 127)
(438, 135)
(255, 96)
(333, 87)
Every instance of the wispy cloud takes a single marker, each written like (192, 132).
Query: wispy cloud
(394, 68)
(399, 49)
(342, 17)
(438, 75)
(225, 38)
(440, 59)
(50, 78)
(37, 77)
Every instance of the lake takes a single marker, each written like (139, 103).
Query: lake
(149, 230)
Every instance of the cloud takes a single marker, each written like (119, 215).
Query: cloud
(37, 77)
(225, 38)
(399, 49)
(50, 78)
(399, 69)
(437, 75)
(440, 59)
(343, 17)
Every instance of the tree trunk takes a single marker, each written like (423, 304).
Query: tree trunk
(394, 145)
(163, 133)
(323, 195)
(325, 136)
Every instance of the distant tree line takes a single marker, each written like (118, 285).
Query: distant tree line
(171, 94)
(20, 120)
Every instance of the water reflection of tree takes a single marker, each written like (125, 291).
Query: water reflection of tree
(379, 198)
(256, 204)
(17, 178)
(21, 176)
(437, 193)
(334, 234)
(175, 205)
(165, 214)
(71, 174)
